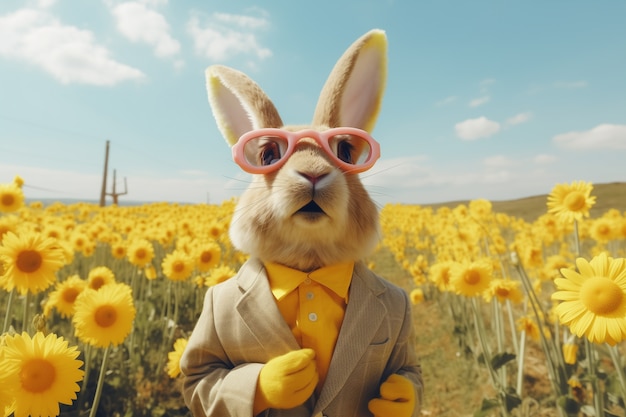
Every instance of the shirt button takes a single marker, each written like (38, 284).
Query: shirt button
(307, 281)
(312, 316)
(310, 296)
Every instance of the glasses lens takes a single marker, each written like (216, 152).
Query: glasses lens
(264, 150)
(351, 149)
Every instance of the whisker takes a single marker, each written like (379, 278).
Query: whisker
(371, 173)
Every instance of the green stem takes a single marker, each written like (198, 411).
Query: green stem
(593, 377)
(26, 312)
(8, 312)
(98, 394)
(555, 371)
(509, 310)
(619, 367)
(520, 363)
(87, 367)
(480, 330)
(576, 238)
(497, 314)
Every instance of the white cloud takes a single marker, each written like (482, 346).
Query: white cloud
(472, 129)
(497, 161)
(242, 21)
(140, 24)
(544, 159)
(45, 3)
(69, 54)
(519, 118)
(479, 101)
(604, 136)
(223, 36)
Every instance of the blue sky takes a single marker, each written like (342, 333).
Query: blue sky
(484, 99)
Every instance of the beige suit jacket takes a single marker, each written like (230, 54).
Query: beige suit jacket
(241, 328)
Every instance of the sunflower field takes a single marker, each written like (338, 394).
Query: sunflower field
(97, 302)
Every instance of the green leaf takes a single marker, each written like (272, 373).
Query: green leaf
(501, 359)
(512, 400)
(488, 405)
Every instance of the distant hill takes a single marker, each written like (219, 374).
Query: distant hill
(608, 196)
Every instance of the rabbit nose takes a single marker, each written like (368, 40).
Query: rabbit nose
(313, 179)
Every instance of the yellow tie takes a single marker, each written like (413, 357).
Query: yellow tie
(313, 305)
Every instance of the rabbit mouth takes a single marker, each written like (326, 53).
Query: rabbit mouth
(311, 207)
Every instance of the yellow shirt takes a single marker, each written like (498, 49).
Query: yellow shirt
(313, 305)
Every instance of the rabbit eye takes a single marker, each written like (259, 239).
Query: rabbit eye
(269, 153)
(345, 151)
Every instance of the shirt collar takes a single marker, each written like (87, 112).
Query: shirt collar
(284, 280)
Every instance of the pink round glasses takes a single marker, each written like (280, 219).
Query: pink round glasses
(262, 151)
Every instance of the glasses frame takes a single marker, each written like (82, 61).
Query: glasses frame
(292, 138)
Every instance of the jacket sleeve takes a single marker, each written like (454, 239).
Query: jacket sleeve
(212, 385)
(403, 359)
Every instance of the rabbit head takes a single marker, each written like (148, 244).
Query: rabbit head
(311, 211)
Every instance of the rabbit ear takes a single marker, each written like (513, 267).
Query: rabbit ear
(239, 104)
(353, 93)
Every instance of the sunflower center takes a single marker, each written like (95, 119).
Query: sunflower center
(97, 282)
(141, 253)
(502, 292)
(206, 257)
(8, 199)
(471, 277)
(178, 266)
(575, 201)
(106, 316)
(37, 375)
(70, 294)
(29, 261)
(601, 295)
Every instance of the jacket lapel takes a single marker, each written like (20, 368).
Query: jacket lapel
(364, 314)
(259, 312)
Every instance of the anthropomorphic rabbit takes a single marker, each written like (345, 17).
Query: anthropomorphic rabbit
(304, 328)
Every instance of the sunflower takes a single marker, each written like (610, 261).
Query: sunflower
(571, 202)
(150, 272)
(472, 278)
(64, 296)
(18, 181)
(40, 373)
(439, 274)
(529, 325)
(100, 276)
(594, 299)
(177, 265)
(8, 224)
(11, 198)
(207, 256)
(79, 241)
(417, 295)
(140, 252)
(173, 357)
(504, 289)
(118, 250)
(105, 316)
(570, 353)
(30, 262)
(219, 274)
(604, 229)
(6, 399)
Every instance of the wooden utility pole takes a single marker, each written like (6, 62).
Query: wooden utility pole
(103, 191)
(115, 194)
